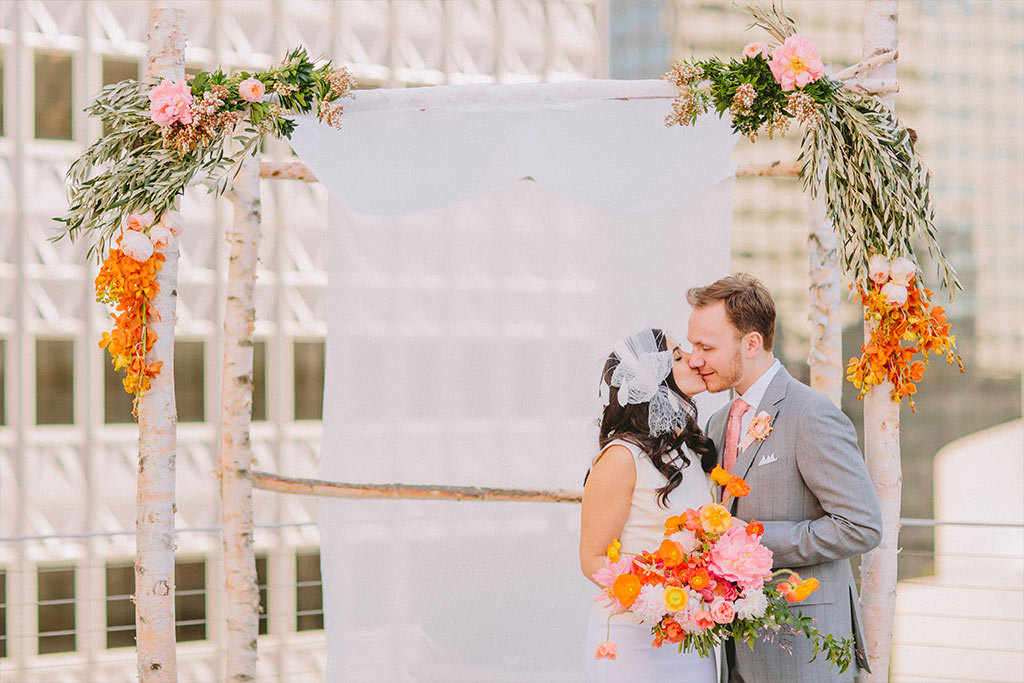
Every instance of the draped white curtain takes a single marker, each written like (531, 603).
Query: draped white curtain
(486, 251)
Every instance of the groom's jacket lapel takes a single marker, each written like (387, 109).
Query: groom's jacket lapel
(770, 403)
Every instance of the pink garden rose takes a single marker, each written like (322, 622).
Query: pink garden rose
(161, 237)
(137, 221)
(740, 557)
(251, 90)
(895, 294)
(722, 611)
(169, 102)
(173, 221)
(607, 650)
(796, 63)
(878, 269)
(755, 49)
(703, 619)
(902, 270)
(136, 245)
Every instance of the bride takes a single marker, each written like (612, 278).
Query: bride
(653, 464)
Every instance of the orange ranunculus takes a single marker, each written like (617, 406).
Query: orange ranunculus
(720, 476)
(626, 588)
(755, 528)
(698, 579)
(675, 598)
(671, 553)
(673, 631)
(714, 518)
(737, 487)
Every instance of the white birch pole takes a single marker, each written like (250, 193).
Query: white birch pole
(158, 419)
(881, 424)
(242, 592)
(825, 358)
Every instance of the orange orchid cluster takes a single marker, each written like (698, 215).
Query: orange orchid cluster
(904, 329)
(130, 285)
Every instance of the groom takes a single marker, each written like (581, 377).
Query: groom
(808, 483)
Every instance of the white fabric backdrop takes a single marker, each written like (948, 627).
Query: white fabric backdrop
(465, 343)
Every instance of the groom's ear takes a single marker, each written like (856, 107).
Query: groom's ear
(752, 343)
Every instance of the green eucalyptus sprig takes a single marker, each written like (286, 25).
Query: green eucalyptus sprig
(138, 165)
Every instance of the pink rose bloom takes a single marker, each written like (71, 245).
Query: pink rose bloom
(740, 557)
(902, 271)
(161, 237)
(607, 649)
(895, 294)
(138, 221)
(169, 102)
(878, 269)
(173, 221)
(755, 49)
(722, 611)
(251, 90)
(796, 63)
(703, 619)
(136, 245)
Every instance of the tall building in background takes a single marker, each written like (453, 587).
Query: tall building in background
(67, 442)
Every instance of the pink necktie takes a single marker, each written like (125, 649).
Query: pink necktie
(732, 433)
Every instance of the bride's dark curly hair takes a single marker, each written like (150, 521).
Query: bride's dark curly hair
(629, 423)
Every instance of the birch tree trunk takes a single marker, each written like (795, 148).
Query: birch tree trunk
(242, 592)
(881, 425)
(154, 522)
(825, 358)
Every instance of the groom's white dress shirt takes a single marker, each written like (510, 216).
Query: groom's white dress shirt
(754, 394)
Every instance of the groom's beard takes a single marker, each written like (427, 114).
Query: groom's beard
(727, 377)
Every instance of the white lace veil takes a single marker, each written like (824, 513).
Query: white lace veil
(639, 377)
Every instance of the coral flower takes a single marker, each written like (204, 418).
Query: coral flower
(720, 476)
(737, 487)
(704, 619)
(741, 558)
(755, 50)
(675, 598)
(171, 102)
(722, 611)
(137, 221)
(626, 588)
(671, 553)
(755, 528)
(714, 518)
(673, 630)
(251, 90)
(699, 579)
(161, 237)
(674, 524)
(606, 650)
(878, 269)
(796, 63)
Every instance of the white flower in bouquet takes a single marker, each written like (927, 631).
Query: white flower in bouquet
(902, 271)
(173, 221)
(649, 606)
(895, 294)
(878, 269)
(161, 237)
(752, 605)
(687, 539)
(136, 245)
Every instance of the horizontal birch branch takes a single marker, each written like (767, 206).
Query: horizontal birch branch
(866, 66)
(333, 489)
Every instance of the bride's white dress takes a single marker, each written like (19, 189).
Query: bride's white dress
(637, 661)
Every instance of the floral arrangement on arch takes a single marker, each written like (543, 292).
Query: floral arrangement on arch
(159, 138)
(876, 187)
(709, 581)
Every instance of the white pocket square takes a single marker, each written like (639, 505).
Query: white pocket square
(766, 459)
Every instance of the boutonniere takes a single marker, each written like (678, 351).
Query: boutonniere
(759, 429)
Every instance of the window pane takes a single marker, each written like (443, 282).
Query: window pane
(117, 70)
(3, 613)
(309, 603)
(53, 95)
(56, 609)
(120, 609)
(190, 600)
(259, 381)
(309, 380)
(261, 582)
(55, 381)
(117, 403)
(189, 385)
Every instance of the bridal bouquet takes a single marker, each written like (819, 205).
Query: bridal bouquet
(711, 580)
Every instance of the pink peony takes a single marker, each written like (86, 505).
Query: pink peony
(173, 221)
(895, 294)
(722, 611)
(161, 237)
(756, 49)
(137, 221)
(251, 90)
(607, 649)
(902, 270)
(136, 245)
(740, 557)
(878, 269)
(169, 102)
(796, 63)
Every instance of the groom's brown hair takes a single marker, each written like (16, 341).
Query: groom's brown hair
(748, 304)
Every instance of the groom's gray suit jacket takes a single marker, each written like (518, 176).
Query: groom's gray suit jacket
(811, 490)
